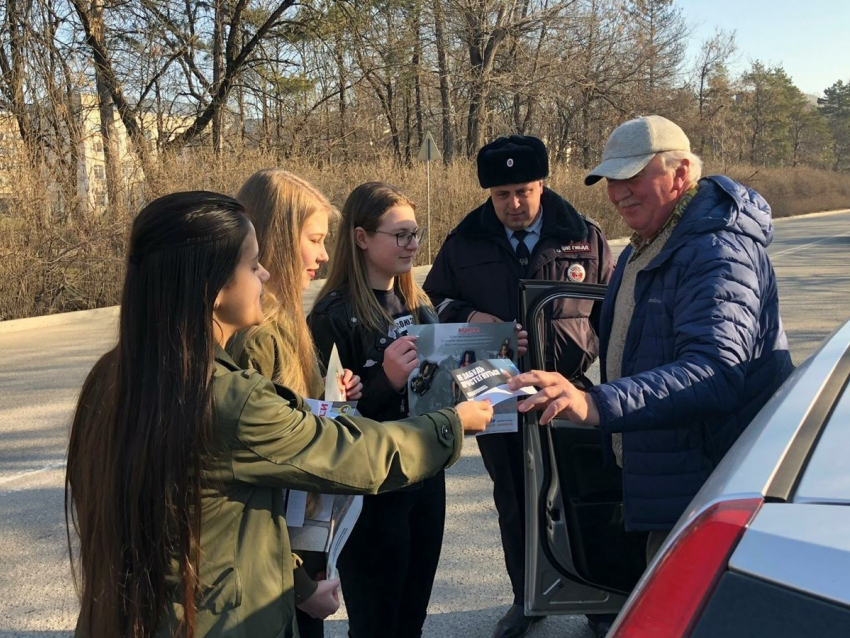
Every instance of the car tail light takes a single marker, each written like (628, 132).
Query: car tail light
(671, 597)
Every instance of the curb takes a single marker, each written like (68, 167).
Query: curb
(29, 323)
(823, 213)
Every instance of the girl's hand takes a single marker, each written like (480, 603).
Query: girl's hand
(521, 341)
(324, 601)
(400, 360)
(350, 385)
(474, 415)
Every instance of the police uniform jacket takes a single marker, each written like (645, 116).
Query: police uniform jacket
(477, 269)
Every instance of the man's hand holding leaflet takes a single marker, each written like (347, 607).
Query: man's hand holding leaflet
(488, 379)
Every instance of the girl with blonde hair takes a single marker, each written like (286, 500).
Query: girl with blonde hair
(291, 218)
(370, 298)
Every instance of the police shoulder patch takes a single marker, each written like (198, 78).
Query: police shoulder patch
(576, 273)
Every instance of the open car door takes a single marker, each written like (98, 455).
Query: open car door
(579, 558)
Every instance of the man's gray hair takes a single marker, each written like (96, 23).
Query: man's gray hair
(672, 159)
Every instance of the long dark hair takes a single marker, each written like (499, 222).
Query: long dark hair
(143, 423)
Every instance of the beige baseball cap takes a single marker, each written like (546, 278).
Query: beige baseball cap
(633, 144)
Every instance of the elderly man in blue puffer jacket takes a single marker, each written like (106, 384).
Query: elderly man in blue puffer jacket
(692, 345)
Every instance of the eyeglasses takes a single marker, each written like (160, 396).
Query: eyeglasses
(403, 238)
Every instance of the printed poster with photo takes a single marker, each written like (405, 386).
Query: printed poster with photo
(444, 347)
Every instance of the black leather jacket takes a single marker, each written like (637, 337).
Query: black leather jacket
(361, 350)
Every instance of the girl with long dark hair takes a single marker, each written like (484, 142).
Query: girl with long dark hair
(388, 565)
(177, 456)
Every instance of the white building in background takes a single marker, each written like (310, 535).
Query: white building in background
(91, 178)
(91, 161)
(91, 164)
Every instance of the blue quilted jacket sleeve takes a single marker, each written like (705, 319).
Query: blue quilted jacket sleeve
(697, 334)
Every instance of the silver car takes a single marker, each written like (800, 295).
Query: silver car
(763, 549)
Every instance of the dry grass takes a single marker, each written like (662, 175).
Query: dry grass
(796, 191)
(454, 190)
(50, 264)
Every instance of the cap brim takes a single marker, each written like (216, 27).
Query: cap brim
(618, 168)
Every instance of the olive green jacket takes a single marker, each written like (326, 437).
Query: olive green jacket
(267, 442)
(258, 350)
(261, 349)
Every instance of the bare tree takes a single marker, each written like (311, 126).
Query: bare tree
(600, 74)
(446, 98)
(13, 63)
(710, 64)
(487, 25)
(178, 40)
(381, 47)
(659, 33)
(38, 87)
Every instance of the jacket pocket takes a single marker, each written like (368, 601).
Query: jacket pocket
(224, 594)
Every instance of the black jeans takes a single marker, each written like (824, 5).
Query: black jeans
(309, 627)
(388, 564)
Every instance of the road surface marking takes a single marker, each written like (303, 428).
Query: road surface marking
(15, 477)
(788, 251)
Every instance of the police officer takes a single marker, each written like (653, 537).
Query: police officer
(523, 231)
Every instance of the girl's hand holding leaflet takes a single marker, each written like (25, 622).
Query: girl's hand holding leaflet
(351, 385)
(400, 360)
(521, 340)
(474, 415)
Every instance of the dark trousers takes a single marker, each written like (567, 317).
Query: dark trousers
(387, 566)
(654, 541)
(502, 455)
(309, 627)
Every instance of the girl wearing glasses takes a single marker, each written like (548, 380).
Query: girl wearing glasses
(388, 565)
(291, 218)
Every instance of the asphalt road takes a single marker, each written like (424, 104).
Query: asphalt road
(46, 360)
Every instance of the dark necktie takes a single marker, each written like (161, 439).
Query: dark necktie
(522, 253)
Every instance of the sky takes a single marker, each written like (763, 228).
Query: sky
(808, 38)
